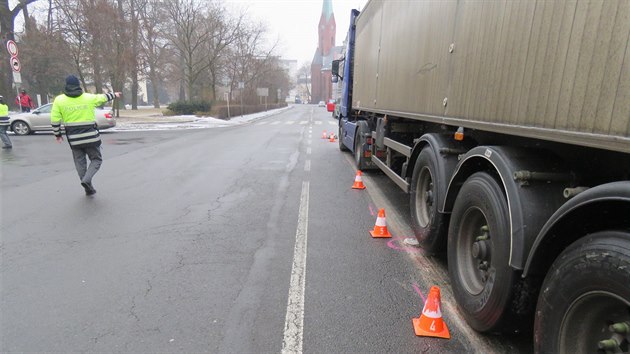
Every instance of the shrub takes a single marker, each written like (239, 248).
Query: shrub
(185, 107)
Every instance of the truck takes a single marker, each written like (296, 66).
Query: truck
(508, 125)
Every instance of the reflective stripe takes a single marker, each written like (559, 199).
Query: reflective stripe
(76, 124)
(82, 135)
(81, 142)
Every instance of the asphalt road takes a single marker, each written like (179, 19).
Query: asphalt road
(227, 240)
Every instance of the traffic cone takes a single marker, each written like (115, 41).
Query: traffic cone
(324, 135)
(430, 323)
(358, 181)
(332, 137)
(380, 229)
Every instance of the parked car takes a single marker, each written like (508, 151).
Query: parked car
(330, 106)
(39, 120)
(321, 104)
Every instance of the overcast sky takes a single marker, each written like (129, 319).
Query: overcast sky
(294, 22)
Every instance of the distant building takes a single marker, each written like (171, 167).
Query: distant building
(321, 85)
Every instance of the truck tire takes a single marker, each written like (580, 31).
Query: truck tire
(478, 253)
(359, 158)
(586, 291)
(429, 225)
(342, 147)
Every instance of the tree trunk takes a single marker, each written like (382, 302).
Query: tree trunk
(134, 56)
(154, 87)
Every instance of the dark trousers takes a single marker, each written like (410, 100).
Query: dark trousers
(80, 155)
(4, 137)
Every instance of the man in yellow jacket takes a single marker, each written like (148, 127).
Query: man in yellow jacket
(75, 110)
(4, 124)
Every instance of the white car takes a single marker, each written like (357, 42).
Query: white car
(321, 104)
(39, 120)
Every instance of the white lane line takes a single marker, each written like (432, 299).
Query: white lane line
(289, 122)
(262, 123)
(304, 122)
(333, 123)
(307, 165)
(294, 321)
(318, 122)
(308, 151)
(276, 122)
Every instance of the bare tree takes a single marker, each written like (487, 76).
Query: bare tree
(224, 31)
(154, 46)
(72, 28)
(189, 36)
(7, 28)
(304, 73)
(249, 59)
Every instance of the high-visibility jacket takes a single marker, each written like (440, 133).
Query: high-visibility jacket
(78, 117)
(4, 114)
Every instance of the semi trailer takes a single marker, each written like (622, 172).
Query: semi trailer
(508, 124)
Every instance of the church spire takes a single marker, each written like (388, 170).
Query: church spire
(327, 9)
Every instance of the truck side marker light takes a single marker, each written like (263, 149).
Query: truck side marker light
(430, 323)
(459, 134)
(358, 181)
(380, 228)
(324, 135)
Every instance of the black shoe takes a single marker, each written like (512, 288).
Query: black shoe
(7, 147)
(89, 189)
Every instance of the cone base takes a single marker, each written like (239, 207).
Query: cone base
(358, 187)
(424, 333)
(375, 235)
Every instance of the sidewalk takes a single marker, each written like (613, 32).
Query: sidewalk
(149, 118)
(149, 115)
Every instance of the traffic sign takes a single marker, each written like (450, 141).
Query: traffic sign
(17, 77)
(15, 64)
(12, 48)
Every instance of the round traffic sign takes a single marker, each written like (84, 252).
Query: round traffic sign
(12, 48)
(15, 64)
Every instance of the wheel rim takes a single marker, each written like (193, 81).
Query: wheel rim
(424, 197)
(474, 251)
(587, 324)
(20, 128)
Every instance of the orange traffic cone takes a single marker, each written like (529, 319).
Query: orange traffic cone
(324, 135)
(430, 323)
(332, 137)
(358, 181)
(380, 229)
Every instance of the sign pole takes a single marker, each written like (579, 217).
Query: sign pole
(17, 92)
(227, 98)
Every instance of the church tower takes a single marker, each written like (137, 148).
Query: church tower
(321, 86)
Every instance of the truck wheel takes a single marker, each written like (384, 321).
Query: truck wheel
(342, 147)
(428, 223)
(584, 303)
(478, 253)
(359, 159)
